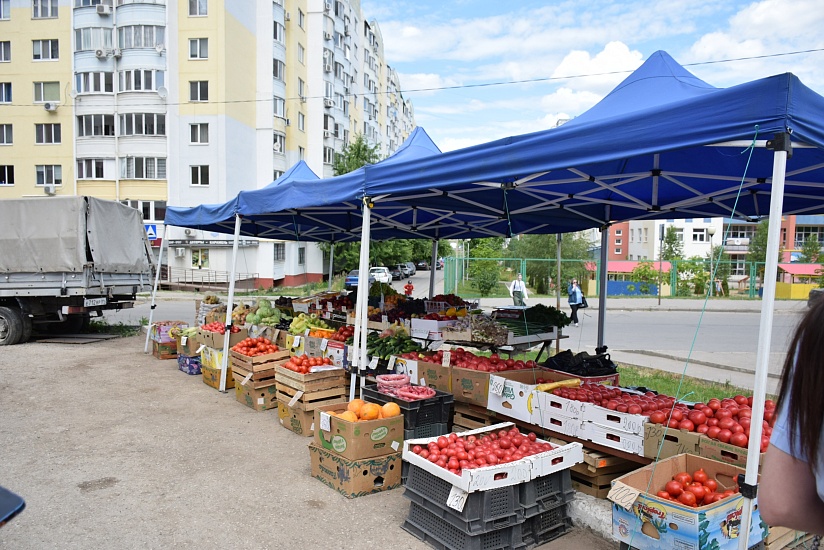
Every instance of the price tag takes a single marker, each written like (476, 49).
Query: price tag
(344, 309)
(391, 362)
(384, 319)
(295, 399)
(395, 445)
(307, 331)
(456, 499)
(423, 381)
(373, 364)
(312, 428)
(447, 357)
(407, 324)
(325, 422)
(200, 348)
(623, 495)
(328, 306)
(296, 342)
(323, 343)
(248, 376)
(261, 401)
(496, 384)
(183, 340)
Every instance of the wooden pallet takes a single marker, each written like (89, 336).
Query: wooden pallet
(781, 537)
(309, 401)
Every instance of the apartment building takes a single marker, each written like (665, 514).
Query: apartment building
(164, 102)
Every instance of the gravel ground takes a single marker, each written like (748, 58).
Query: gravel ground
(114, 449)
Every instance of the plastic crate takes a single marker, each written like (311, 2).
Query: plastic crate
(483, 511)
(434, 410)
(545, 527)
(439, 533)
(427, 430)
(546, 493)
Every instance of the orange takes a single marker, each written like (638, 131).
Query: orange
(349, 416)
(370, 411)
(355, 406)
(390, 409)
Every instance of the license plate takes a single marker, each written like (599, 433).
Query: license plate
(91, 302)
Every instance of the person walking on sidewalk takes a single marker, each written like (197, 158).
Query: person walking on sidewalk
(518, 291)
(576, 297)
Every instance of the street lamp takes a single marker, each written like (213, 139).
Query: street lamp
(711, 232)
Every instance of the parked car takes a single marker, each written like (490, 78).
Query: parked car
(396, 273)
(381, 274)
(351, 280)
(404, 269)
(422, 265)
(412, 268)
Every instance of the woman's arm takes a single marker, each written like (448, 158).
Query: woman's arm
(787, 493)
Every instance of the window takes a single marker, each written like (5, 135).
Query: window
(143, 168)
(328, 155)
(6, 175)
(809, 232)
(679, 234)
(140, 36)
(631, 235)
(279, 145)
(90, 169)
(301, 121)
(92, 38)
(88, 83)
(198, 48)
(200, 175)
(5, 9)
(618, 251)
(280, 252)
(198, 7)
(198, 90)
(618, 242)
(43, 9)
(45, 50)
(95, 125)
(276, 174)
(6, 134)
(46, 91)
(46, 133)
(699, 235)
(87, 3)
(301, 89)
(646, 234)
(301, 19)
(329, 123)
(5, 51)
(301, 153)
(280, 107)
(49, 174)
(143, 124)
(279, 33)
(150, 210)
(278, 69)
(301, 255)
(145, 80)
(200, 257)
(619, 232)
(199, 133)
(301, 54)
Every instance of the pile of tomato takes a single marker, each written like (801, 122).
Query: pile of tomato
(219, 328)
(461, 358)
(255, 347)
(303, 363)
(694, 490)
(616, 400)
(343, 333)
(456, 453)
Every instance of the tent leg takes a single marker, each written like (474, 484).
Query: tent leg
(432, 267)
(229, 307)
(602, 298)
(558, 284)
(359, 343)
(765, 330)
(331, 263)
(156, 282)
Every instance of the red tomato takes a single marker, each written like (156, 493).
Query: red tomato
(674, 488)
(711, 484)
(687, 498)
(665, 495)
(700, 476)
(698, 490)
(684, 478)
(724, 436)
(658, 417)
(739, 440)
(686, 425)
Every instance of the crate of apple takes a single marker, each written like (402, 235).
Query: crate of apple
(220, 328)
(694, 490)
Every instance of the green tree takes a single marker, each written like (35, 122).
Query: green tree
(721, 265)
(645, 274)
(673, 248)
(485, 274)
(810, 250)
(355, 154)
(539, 275)
(757, 251)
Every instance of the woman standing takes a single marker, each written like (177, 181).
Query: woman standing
(792, 481)
(575, 299)
(518, 291)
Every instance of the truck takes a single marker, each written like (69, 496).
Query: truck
(66, 259)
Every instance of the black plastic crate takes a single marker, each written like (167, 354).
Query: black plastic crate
(426, 430)
(439, 533)
(546, 492)
(546, 526)
(434, 410)
(483, 510)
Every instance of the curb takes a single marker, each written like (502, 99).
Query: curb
(696, 362)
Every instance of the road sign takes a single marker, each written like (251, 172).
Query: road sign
(151, 231)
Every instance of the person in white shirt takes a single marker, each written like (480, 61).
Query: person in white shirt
(518, 291)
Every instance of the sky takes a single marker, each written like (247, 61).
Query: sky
(460, 61)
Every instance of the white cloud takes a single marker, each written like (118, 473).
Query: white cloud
(608, 67)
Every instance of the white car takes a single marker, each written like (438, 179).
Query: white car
(381, 274)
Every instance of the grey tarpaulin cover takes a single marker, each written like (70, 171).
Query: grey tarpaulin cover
(50, 235)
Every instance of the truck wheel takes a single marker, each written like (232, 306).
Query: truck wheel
(74, 324)
(11, 326)
(28, 327)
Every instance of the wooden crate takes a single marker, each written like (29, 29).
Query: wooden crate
(594, 475)
(310, 382)
(471, 417)
(262, 367)
(310, 400)
(781, 537)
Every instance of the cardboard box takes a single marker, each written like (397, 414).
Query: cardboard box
(211, 377)
(260, 398)
(607, 380)
(549, 420)
(189, 365)
(652, 523)
(357, 440)
(517, 394)
(725, 452)
(558, 406)
(160, 330)
(337, 353)
(470, 386)
(167, 350)
(215, 339)
(314, 347)
(610, 437)
(295, 344)
(625, 422)
(355, 478)
(429, 328)
(297, 420)
(425, 373)
(532, 467)
(212, 358)
(675, 442)
(188, 346)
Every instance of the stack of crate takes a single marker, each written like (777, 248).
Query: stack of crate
(299, 395)
(595, 474)
(472, 417)
(254, 377)
(423, 417)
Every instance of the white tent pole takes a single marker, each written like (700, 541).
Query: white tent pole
(331, 262)
(764, 333)
(432, 268)
(229, 307)
(602, 297)
(363, 298)
(558, 284)
(367, 226)
(156, 282)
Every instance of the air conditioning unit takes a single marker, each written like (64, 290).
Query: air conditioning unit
(276, 147)
(327, 35)
(329, 102)
(328, 134)
(326, 54)
(180, 252)
(159, 49)
(328, 6)
(103, 9)
(303, 99)
(51, 106)
(287, 17)
(117, 52)
(327, 67)
(100, 53)
(189, 232)
(49, 189)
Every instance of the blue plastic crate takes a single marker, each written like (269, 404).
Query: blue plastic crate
(433, 410)
(441, 534)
